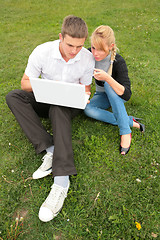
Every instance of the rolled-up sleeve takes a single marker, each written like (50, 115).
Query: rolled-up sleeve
(34, 64)
(86, 79)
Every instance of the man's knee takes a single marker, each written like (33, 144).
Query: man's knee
(59, 112)
(10, 96)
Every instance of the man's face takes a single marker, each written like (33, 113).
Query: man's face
(69, 47)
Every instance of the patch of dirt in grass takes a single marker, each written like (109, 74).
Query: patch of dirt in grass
(58, 237)
(21, 213)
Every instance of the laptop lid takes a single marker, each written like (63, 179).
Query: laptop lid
(59, 93)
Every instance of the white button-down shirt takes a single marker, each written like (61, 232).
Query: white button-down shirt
(46, 61)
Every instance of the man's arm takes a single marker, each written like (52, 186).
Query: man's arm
(25, 83)
(88, 91)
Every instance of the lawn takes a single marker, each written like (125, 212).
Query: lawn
(111, 194)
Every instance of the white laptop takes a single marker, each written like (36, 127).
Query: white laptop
(59, 93)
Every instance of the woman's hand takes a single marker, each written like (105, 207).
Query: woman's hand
(100, 75)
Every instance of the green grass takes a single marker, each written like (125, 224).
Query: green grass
(104, 200)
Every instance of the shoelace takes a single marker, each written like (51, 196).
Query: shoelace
(54, 196)
(45, 163)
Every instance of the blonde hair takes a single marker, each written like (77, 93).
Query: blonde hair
(74, 27)
(102, 36)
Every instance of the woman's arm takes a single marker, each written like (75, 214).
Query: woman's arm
(120, 81)
(103, 76)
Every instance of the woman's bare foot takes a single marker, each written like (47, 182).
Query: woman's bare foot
(139, 125)
(136, 125)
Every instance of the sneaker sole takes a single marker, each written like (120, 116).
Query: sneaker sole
(46, 173)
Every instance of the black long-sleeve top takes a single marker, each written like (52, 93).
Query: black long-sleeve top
(120, 74)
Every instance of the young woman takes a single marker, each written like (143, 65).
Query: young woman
(112, 87)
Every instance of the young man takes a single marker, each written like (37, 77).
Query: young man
(62, 60)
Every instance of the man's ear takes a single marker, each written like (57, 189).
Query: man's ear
(60, 36)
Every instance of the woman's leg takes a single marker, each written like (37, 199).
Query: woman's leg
(97, 109)
(123, 121)
(119, 110)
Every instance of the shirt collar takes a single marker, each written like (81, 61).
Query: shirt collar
(57, 55)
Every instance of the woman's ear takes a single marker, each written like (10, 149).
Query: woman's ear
(111, 46)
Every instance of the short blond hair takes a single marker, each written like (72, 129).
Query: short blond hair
(104, 35)
(74, 27)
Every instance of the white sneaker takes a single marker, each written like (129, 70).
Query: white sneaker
(53, 203)
(45, 168)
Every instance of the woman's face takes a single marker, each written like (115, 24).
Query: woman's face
(100, 54)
